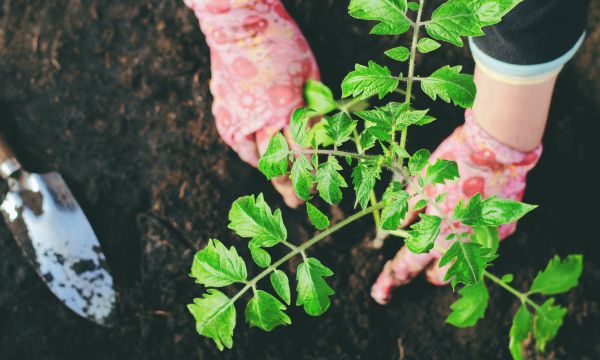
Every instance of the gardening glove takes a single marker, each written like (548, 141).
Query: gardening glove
(487, 167)
(260, 62)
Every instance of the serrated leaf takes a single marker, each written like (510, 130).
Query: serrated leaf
(413, 117)
(318, 136)
(313, 291)
(367, 140)
(317, 218)
(440, 197)
(486, 236)
(281, 284)
(396, 206)
(364, 176)
(546, 322)
(400, 53)
(418, 161)
(266, 312)
(519, 331)
(274, 162)
(491, 211)
(423, 234)
(467, 310)
(470, 261)
(215, 317)
(450, 85)
(426, 45)
(299, 125)
(339, 128)
(260, 256)
(369, 80)
(251, 218)
(457, 18)
(216, 266)
(391, 15)
(558, 276)
(420, 205)
(319, 97)
(302, 178)
(399, 151)
(440, 171)
(330, 182)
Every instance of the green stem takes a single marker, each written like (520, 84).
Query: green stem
(522, 296)
(328, 152)
(411, 71)
(301, 248)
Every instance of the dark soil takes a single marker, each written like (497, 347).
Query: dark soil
(114, 95)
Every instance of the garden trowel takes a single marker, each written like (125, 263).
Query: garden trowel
(56, 237)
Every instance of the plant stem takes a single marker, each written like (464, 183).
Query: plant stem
(411, 71)
(301, 248)
(522, 296)
(329, 152)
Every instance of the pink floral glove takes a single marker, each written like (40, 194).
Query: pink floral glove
(486, 166)
(260, 62)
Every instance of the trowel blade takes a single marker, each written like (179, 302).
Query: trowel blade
(55, 235)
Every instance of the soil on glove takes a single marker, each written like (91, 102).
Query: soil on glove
(114, 95)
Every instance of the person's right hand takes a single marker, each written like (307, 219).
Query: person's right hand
(487, 167)
(260, 62)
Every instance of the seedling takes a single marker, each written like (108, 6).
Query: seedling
(380, 142)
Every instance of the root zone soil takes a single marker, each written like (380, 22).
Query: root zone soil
(114, 95)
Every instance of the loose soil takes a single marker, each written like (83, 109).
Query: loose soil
(114, 95)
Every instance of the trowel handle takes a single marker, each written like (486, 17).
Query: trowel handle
(8, 162)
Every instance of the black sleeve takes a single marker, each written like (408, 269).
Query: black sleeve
(535, 31)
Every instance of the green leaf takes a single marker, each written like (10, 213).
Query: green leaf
(313, 291)
(400, 53)
(364, 177)
(414, 6)
(399, 151)
(519, 331)
(367, 81)
(317, 218)
(302, 178)
(281, 284)
(329, 181)
(486, 236)
(391, 15)
(546, 322)
(299, 125)
(396, 206)
(339, 128)
(457, 18)
(319, 97)
(559, 276)
(467, 310)
(423, 234)
(215, 266)
(426, 45)
(491, 211)
(215, 317)
(441, 170)
(251, 218)
(414, 117)
(274, 161)
(418, 161)
(450, 85)
(260, 256)
(507, 278)
(383, 124)
(367, 140)
(318, 136)
(266, 312)
(470, 261)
